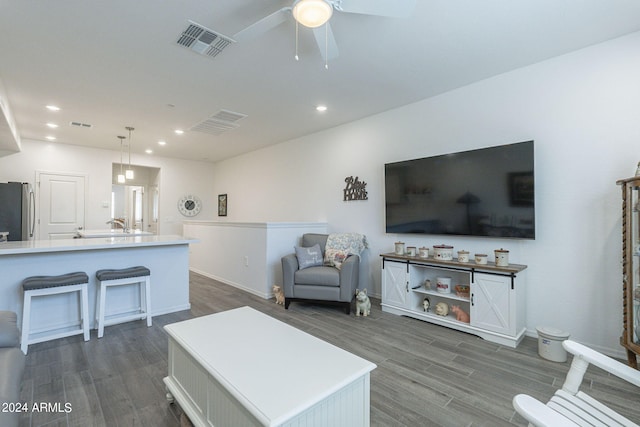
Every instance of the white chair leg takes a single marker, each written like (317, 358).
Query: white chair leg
(26, 322)
(84, 301)
(147, 299)
(102, 291)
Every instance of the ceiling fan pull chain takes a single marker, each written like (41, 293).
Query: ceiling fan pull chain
(296, 41)
(326, 45)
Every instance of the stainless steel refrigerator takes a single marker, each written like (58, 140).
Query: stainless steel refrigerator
(17, 210)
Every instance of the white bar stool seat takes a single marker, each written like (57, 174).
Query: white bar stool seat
(138, 275)
(40, 286)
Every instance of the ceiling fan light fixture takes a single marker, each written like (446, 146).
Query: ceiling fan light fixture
(312, 13)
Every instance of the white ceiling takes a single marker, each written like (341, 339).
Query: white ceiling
(116, 63)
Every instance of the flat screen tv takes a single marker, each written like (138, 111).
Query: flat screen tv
(485, 192)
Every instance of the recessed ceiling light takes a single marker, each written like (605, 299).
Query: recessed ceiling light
(53, 108)
(162, 142)
(50, 138)
(52, 125)
(148, 151)
(179, 131)
(321, 108)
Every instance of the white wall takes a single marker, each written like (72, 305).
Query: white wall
(245, 255)
(177, 178)
(583, 111)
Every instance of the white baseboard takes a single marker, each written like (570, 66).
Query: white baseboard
(231, 283)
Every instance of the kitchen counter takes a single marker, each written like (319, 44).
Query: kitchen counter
(167, 256)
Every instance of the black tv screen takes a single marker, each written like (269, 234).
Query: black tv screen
(486, 192)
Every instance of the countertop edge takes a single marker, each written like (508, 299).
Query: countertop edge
(71, 245)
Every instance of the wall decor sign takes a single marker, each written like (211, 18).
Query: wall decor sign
(222, 205)
(355, 189)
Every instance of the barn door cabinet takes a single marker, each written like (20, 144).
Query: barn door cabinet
(630, 339)
(495, 303)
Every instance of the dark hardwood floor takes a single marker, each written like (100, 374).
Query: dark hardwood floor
(426, 376)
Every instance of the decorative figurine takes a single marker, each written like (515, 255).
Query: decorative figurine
(363, 303)
(426, 304)
(427, 284)
(442, 309)
(461, 315)
(277, 291)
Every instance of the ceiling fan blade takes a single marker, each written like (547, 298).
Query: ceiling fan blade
(326, 42)
(262, 26)
(391, 8)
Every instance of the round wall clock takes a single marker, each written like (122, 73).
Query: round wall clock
(189, 205)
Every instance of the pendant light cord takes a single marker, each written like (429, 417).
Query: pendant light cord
(121, 147)
(129, 128)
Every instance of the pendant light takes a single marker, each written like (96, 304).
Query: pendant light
(121, 177)
(129, 173)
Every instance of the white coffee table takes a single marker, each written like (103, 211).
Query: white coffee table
(243, 368)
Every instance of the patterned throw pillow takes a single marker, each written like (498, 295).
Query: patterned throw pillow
(335, 257)
(341, 245)
(309, 257)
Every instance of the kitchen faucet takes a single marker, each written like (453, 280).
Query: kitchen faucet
(124, 224)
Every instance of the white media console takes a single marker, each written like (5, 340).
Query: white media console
(495, 303)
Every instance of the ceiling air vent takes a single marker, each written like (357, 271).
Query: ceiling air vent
(219, 122)
(203, 40)
(81, 125)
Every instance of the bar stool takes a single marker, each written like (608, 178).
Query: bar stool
(140, 276)
(40, 286)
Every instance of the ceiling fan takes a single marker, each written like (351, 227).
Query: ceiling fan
(315, 14)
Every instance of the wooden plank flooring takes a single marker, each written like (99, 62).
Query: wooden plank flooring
(426, 376)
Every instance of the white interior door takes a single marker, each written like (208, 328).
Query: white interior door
(61, 200)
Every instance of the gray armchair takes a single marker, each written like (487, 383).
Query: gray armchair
(320, 283)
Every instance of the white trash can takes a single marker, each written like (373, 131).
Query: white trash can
(550, 344)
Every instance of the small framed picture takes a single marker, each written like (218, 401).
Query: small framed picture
(222, 205)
